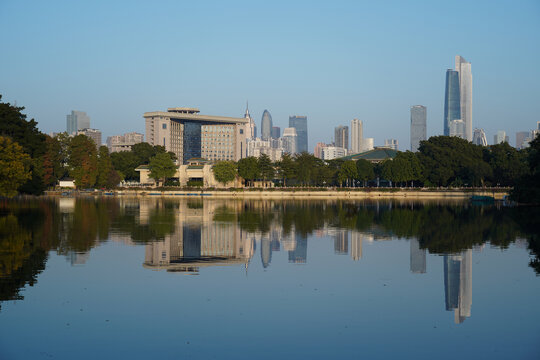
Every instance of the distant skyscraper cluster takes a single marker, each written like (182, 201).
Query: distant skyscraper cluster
(458, 100)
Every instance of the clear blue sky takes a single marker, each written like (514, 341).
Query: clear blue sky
(332, 61)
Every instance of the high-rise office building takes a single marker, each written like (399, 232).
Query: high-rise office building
(391, 144)
(452, 110)
(290, 140)
(276, 132)
(479, 137)
(251, 129)
(418, 126)
(457, 128)
(521, 136)
(77, 120)
(266, 125)
(463, 67)
(300, 124)
(341, 136)
(357, 136)
(190, 135)
(500, 137)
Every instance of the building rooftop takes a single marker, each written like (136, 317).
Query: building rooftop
(193, 114)
(376, 155)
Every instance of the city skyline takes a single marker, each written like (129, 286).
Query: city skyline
(107, 76)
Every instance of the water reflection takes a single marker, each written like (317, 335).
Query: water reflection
(186, 236)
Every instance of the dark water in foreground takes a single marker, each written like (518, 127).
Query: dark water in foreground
(112, 278)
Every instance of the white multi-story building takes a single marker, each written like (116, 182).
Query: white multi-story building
(124, 142)
(256, 147)
(479, 137)
(190, 135)
(93, 134)
(333, 152)
(500, 137)
(368, 144)
(457, 128)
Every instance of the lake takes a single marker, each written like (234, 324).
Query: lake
(150, 277)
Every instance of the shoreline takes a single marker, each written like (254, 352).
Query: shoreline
(295, 194)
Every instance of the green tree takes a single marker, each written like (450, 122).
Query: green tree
(387, 171)
(14, 167)
(266, 168)
(348, 172)
(224, 171)
(83, 161)
(527, 189)
(14, 125)
(507, 163)
(126, 162)
(365, 171)
(107, 177)
(53, 162)
(286, 168)
(248, 169)
(306, 165)
(162, 167)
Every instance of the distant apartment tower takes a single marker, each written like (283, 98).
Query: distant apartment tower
(479, 137)
(391, 144)
(266, 125)
(458, 99)
(368, 144)
(300, 124)
(341, 136)
(418, 126)
(93, 134)
(77, 120)
(290, 140)
(190, 135)
(357, 136)
(117, 143)
(276, 132)
(500, 137)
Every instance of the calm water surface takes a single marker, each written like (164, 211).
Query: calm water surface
(203, 279)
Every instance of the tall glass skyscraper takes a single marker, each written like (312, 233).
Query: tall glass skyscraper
(452, 109)
(300, 124)
(266, 125)
(77, 120)
(465, 95)
(418, 126)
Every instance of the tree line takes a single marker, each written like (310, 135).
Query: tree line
(441, 161)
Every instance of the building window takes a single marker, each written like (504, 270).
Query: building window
(164, 126)
(241, 131)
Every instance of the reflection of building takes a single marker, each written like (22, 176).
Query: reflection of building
(341, 242)
(418, 257)
(299, 254)
(458, 284)
(199, 241)
(266, 251)
(356, 245)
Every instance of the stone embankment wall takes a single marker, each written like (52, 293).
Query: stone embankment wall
(313, 194)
